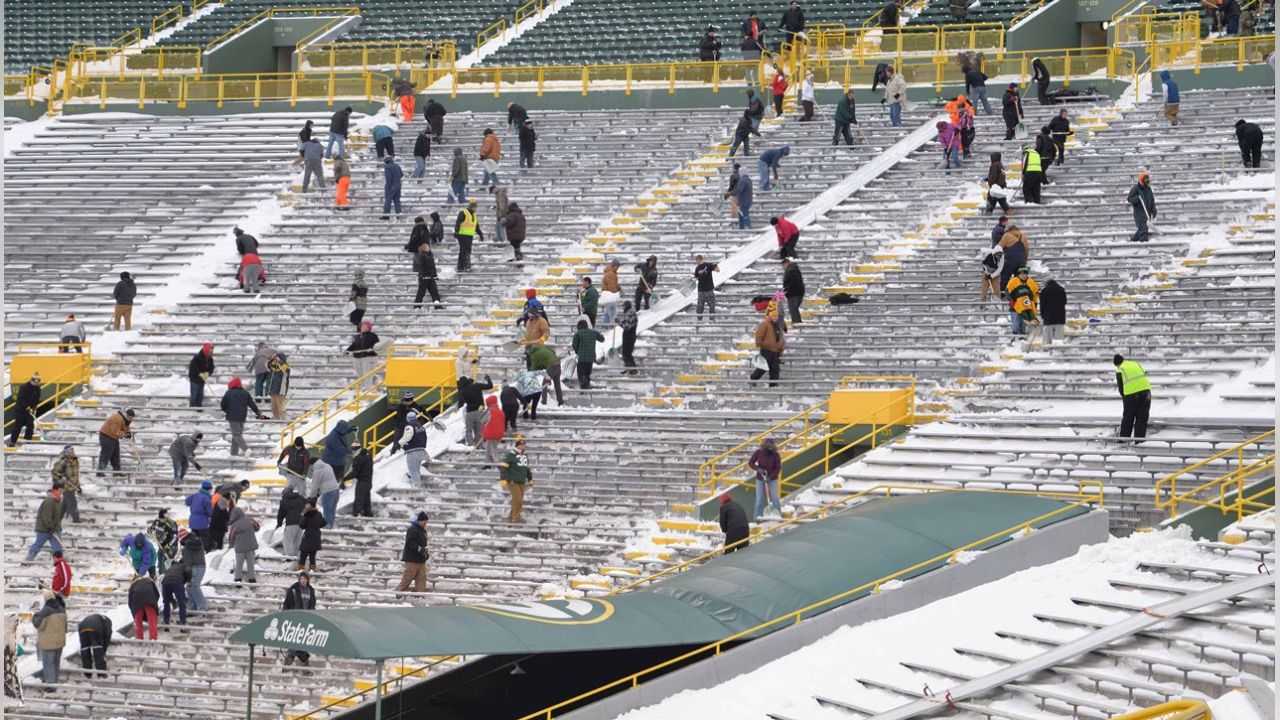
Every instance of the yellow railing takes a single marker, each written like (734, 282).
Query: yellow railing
(1167, 495)
(938, 70)
(61, 382)
(89, 62)
(1172, 710)
(911, 39)
(169, 17)
(1242, 50)
(130, 37)
(247, 87)
(347, 399)
(379, 434)
(1125, 9)
(1226, 493)
(797, 616)
(529, 9)
(275, 12)
(346, 702)
(1150, 28)
(440, 56)
(341, 16)
(496, 30)
(1026, 12)
(612, 77)
(813, 429)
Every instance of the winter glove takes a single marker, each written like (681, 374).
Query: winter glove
(262, 417)
(198, 467)
(882, 99)
(128, 436)
(490, 380)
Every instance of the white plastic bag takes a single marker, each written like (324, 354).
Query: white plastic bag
(349, 308)
(759, 363)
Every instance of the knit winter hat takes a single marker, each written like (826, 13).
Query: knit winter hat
(531, 293)
(206, 485)
(724, 499)
(421, 516)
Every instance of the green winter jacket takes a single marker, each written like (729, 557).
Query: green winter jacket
(542, 357)
(845, 111)
(49, 516)
(584, 344)
(589, 299)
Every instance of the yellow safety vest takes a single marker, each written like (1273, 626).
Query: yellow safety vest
(467, 227)
(1033, 162)
(1133, 377)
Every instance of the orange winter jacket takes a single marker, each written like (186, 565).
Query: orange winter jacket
(491, 149)
(767, 335)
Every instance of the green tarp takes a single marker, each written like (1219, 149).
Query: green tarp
(721, 598)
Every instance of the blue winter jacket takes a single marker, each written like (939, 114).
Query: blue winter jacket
(742, 191)
(381, 132)
(772, 157)
(142, 558)
(391, 175)
(201, 504)
(1171, 86)
(336, 447)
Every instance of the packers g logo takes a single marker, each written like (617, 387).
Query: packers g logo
(552, 612)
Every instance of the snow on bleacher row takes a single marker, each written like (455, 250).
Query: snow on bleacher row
(607, 459)
(1207, 652)
(472, 555)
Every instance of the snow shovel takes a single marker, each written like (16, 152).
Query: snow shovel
(1151, 222)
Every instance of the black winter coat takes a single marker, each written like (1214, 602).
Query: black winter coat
(419, 235)
(709, 48)
(743, 131)
(792, 281)
(236, 403)
(792, 20)
(99, 624)
(246, 243)
(422, 146)
(1011, 106)
(177, 571)
(434, 110)
(299, 598)
(415, 544)
(200, 363)
(339, 123)
(514, 223)
(29, 396)
(974, 78)
(361, 468)
(125, 291)
(1248, 135)
(528, 139)
(733, 522)
(193, 551)
(362, 345)
(516, 115)
(312, 521)
(291, 506)
(1053, 304)
(472, 396)
(1059, 127)
(143, 593)
(510, 397)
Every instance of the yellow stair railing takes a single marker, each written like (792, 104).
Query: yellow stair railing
(347, 399)
(795, 617)
(275, 12)
(62, 382)
(1213, 493)
(813, 429)
(1172, 710)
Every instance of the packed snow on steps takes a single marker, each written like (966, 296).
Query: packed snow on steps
(927, 635)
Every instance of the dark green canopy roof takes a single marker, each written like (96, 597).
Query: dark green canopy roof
(716, 600)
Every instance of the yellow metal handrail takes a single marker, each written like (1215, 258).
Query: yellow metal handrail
(1172, 710)
(62, 390)
(341, 17)
(345, 702)
(252, 87)
(1125, 9)
(379, 54)
(528, 10)
(1167, 486)
(168, 17)
(274, 12)
(708, 475)
(1026, 12)
(1233, 484)
(797, 616)
(497, 29)
(375, 437)
(333, 405)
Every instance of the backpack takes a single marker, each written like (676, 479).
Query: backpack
(842, 299)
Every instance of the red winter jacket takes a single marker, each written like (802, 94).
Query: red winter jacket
(251, 259)
(779, 85)
(62, 577)
(496, 427)
(787, 231)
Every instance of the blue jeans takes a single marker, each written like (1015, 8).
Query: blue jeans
(41, 539)
(953, 156)
(193, 590)
(180, 465)
(980, 96)
(1015, 322)
(526, 158)
(419, 167)
(755, 125)
(342, 145)
(413, 461)
(458, 189)
(744, 217)
(764, 175)
(490, 178)
(769, 488)
(895, 114)
(390, 198)
(609, 313)
(499, 232)
(329, 506)
(197, 394)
